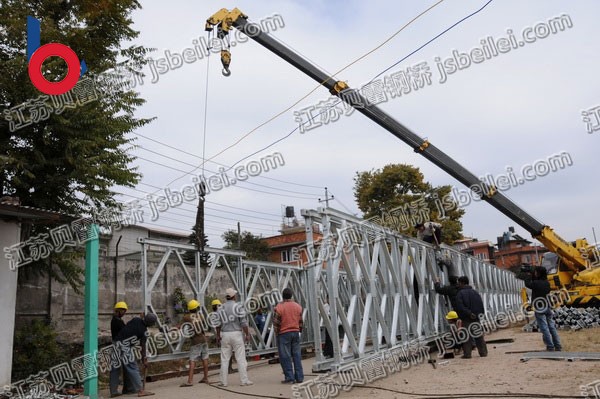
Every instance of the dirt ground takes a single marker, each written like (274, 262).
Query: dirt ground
(500, 375)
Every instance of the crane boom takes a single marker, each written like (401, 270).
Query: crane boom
(573, 257)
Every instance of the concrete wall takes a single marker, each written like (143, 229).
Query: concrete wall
(39, 297)
(9, 235)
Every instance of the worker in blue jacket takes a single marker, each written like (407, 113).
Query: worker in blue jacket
(469, 307)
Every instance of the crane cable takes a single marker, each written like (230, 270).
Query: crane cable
(323, 82)
(205, 113)
(204, 160)
(311, 118)
(295, 103)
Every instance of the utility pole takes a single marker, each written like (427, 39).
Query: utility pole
(199, 226)
(327, 198)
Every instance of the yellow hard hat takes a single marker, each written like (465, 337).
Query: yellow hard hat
(193, 304)
(215, 302)
(121, 305)
(452, 315)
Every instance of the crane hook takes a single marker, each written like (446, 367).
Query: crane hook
(225, 60)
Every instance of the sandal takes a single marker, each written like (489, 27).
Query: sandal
(186, 384)
(204, 381)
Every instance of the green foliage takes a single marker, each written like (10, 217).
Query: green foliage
(189, 257)
(401, 190)
(179, 301)
(35, 349)
(69, 162)
(254, 246)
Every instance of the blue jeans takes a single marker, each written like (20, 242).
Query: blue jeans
(289, 351)
(114, 381)
(131, 370)
(548, 329)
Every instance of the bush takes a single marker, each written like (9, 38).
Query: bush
(35, 349)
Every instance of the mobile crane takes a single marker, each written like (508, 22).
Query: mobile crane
(573, 267)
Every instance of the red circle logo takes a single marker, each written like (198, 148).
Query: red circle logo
(56, 50)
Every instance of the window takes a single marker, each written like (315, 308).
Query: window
(286, 256)
(525, 259)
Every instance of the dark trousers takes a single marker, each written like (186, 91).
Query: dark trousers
(479, 341)
(436, 238)
(328, 349)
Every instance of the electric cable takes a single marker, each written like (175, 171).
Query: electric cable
(208, 202)
(218, 163)
(379, 74)
(205, 113)
(216, 173)
(187, 210)
(335, 198)
(317, 87)
(241, 209)
(458, 395)
(470, 395)
(232, 185)
(410, 54)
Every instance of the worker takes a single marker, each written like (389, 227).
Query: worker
(288, 325)
(260, 319)
(469, 307)
(232, 334)
(456, 323)
(540, 288)
(430, 232)
(116, 325)
(328, 349)
(449, 290)
(138, 328)
(216, 304)
(199, 349)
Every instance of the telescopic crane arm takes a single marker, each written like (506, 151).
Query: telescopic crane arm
(572, 257)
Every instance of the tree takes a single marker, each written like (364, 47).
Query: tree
(397, 196)
(254, 246)
(189, 257)
(70, 161)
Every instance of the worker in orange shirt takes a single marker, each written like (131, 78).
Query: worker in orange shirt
(288, 325)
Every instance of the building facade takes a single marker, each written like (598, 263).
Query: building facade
(515, 251)
(289, 247)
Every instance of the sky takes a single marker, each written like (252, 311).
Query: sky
(512, 108)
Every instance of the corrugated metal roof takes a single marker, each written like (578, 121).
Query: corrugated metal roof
(9, 207)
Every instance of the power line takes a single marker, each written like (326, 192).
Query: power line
(187, 210)
(217, 173)
(233, 185)
(220, 164)
(211, 202)
(214, 209)
(379, 74)
(329, 78)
